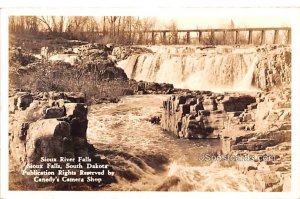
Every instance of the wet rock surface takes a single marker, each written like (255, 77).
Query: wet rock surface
(142, 87)
(252, 124)
(123, 52)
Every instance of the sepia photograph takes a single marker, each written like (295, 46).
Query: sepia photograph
(165, 103)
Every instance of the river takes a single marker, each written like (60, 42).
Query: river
(149, 159)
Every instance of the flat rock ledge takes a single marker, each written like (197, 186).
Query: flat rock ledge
(256, 124)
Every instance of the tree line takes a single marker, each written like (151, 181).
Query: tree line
(116, 29)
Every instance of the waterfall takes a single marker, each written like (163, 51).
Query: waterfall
(218, 68)
(247, 80)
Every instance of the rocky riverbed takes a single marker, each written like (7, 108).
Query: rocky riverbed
(111, 119)
(59, 124)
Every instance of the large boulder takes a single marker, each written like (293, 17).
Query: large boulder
(24, 100)
(210, 104)
(77, 116)
(17, 135)
(193, 129)
(266, 180)
(46, 138)
(55, 95)
(75, 97)
(76, 110)
(12, 104)
(239, 103)
(54, 112)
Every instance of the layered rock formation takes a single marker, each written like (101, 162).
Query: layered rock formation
(49, 125)
(273, 68)
(256, 125)
(143, 87)
(201, 114)
(269, 118)
(123, 52)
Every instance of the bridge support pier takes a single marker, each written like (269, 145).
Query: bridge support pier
(224, 37)
(164, 37)
(262, 40)
(289, 37)
(236, 37)
(153, 38)
(212, 37)
(199, 37)
(250, 40)
(188, 38)
(176, 38)
(275, 36)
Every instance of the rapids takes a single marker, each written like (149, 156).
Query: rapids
(147, 159)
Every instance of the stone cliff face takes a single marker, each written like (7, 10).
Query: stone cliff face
(273, 68)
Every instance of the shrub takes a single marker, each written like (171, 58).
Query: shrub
(97, 80)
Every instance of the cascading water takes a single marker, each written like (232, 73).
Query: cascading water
(147, 159)
(193, 68)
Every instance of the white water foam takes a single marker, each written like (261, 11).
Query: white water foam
(193, 68)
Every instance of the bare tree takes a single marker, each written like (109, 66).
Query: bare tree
(112, 21)
(46, 20)
(148, 23)
(173, 27)
(61, 24)
(23, 24)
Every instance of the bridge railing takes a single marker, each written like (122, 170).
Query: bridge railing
(234, 32)
(223, 36)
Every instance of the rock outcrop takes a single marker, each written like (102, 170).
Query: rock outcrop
(265, 123)
(143, 87)
(58, 129)
(201, 114)
(20, 57)
(273, 68)
(123, 52)
(256, 126)
(61, 119)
